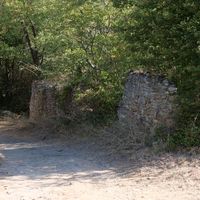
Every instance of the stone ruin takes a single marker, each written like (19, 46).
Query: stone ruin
(43, 102)
(49, 100)
(148, 103)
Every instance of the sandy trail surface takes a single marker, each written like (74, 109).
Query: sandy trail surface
(36, 167)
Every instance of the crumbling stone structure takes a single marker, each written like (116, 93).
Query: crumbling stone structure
(49, 100)
(148, 103)
(43, 102)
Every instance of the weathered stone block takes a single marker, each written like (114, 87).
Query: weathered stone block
(43, 102)
(49, 100)
(148, 103)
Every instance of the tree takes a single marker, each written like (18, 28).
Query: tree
(164, 36)
(74, 42)
(82, 46)
(19, 56)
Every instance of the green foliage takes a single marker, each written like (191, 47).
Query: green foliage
(91, 45)
(185, 137)
(69, 41)
(16, 69)
(82, 47)
(65, 97)
(164, 37)
(103, 105)
(88, 46)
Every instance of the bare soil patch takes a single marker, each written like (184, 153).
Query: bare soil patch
(38, 165)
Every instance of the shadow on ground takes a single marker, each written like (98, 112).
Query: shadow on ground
(35, 157)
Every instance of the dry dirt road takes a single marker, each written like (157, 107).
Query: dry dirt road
(38, 168)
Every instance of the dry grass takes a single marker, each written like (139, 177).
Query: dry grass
(103, 163)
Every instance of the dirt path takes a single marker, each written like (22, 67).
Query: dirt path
(37, 168)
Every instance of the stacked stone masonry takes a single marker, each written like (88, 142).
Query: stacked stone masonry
(43, 101)
(148, 103)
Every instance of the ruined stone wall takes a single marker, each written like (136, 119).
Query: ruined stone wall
(43, 102)
(148, 103)
(50, 101)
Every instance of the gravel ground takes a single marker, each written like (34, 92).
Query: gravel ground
(35, 167)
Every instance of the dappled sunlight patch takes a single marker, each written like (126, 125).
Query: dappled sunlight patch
(6, 124)
(16, 146)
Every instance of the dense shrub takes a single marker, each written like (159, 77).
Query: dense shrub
(164, 38)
